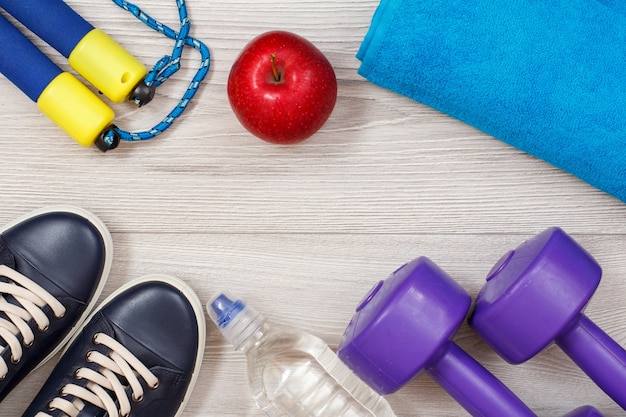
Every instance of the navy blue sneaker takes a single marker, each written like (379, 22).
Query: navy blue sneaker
(53, 265)
(138, 355)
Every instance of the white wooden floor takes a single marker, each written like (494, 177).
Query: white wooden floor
(303, 232)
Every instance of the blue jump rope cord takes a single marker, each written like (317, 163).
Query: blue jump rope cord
(165, 68)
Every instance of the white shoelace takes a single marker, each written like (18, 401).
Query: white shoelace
(103, 383)
(32, 299)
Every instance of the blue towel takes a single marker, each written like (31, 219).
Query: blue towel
(545, 76)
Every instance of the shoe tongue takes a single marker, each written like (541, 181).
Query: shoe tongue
(90, 410)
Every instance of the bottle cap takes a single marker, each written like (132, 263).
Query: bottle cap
(235, 319)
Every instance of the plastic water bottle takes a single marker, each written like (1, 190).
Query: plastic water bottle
(292, 373)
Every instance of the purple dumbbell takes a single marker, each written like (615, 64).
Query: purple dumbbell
(405, 326)
(536, 295)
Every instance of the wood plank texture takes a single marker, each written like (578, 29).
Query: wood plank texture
(304, 231)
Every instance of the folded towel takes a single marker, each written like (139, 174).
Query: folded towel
(545, 76)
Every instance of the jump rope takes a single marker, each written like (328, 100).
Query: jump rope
(97, 58)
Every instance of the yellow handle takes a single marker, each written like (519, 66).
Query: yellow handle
(107, 65)
(75, 109)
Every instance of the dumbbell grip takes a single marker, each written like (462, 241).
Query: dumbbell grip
(474, 387)
(603, 359)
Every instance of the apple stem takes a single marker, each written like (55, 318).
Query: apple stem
(274, 70)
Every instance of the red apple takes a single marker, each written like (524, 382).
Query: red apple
(282, 88)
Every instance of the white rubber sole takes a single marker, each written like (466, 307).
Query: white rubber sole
(198, 310)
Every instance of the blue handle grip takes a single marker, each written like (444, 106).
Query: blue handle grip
(22, 63)
(52, 20)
